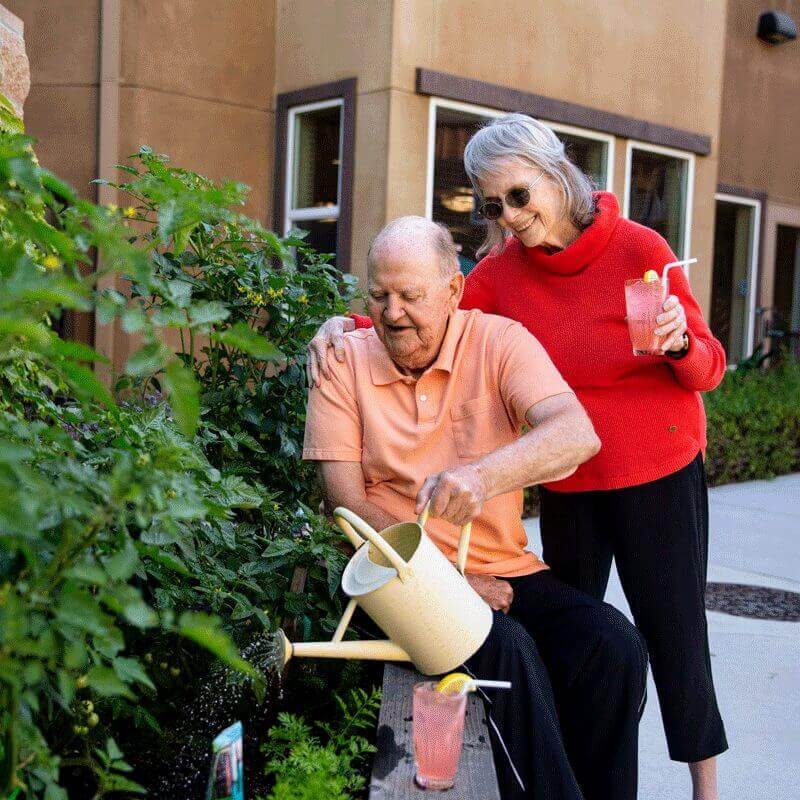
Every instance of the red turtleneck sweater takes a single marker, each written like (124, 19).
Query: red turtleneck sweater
(647, 410)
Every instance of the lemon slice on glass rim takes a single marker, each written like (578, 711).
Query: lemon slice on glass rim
(651, 276)
(456, 683)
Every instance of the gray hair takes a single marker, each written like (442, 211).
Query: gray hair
(410, 232)
(520, 138)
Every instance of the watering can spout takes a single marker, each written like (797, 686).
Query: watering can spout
(373, 650)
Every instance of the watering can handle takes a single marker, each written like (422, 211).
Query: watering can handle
(354, 522)
(463, 541)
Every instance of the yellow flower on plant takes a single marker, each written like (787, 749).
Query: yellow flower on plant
(129, 212)
(302, 299)
(113, 208)
(51, 262)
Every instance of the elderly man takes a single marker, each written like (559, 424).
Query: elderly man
(427, 406)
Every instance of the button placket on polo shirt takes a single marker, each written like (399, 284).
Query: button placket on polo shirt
(426, 405)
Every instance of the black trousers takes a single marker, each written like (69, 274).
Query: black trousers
(568, 727)
(658, 534)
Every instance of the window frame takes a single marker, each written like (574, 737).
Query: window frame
(755, 262)
(289, 105)
(683, 155)
(309, 213)
(492, 113)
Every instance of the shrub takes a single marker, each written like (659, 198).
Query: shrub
(131, 533)
(306, 768)
(754, 424)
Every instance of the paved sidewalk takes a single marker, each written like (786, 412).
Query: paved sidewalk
(755, 539)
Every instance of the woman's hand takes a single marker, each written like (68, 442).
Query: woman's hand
(671, 324)
(497, 593)
(456, 495)
(329, 335)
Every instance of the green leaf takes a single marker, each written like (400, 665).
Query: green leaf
(114, 782)
(206, 313)
(112, 749)
(147, 360)
(184, 397)
(86, 383)
(206, 631)
(134, 320)
(123, 563)
(180, 292)
(242, 337)
(89, 573)
(130, 670)
(75, 351)
(172, 562)
(106, 683)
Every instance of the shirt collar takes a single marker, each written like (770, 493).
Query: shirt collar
(384, 371)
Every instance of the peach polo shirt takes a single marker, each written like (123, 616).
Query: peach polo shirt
(469, 402)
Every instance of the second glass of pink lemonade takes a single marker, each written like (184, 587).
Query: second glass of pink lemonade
(643, 303)
(438, 735)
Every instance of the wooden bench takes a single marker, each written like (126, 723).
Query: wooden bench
(393, 768)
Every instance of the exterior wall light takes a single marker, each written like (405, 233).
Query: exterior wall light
(776, 27)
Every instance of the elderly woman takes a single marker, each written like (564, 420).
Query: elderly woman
(558, 258)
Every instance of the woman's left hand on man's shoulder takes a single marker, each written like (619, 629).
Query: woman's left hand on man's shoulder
(672, 324)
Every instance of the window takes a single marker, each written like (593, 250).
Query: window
(450, 195)
(314, 162)
(658, 192)
(313, 173)
(592, 152)
(734, 281)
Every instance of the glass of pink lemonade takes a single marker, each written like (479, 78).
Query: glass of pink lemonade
(438, 734)
(643, 303)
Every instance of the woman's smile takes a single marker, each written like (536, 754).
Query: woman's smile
(523, 228)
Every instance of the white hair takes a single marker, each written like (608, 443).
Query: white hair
(413, 232)
(517, 137)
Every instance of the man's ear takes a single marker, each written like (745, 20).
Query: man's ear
(456, 290)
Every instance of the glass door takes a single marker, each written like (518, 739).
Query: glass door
(735, 278)
(787, 284)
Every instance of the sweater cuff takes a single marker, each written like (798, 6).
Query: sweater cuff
(692, 368)
(361, 322)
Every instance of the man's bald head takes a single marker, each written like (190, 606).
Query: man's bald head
(409, 235)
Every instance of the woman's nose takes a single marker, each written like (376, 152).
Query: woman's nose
(510, 214)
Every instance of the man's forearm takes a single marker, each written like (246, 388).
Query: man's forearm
(551, 450)
(370, 513)
(340, 488)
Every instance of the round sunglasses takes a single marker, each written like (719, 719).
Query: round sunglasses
(518, 197)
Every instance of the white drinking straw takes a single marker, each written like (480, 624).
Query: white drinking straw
(470, 685)
(667, 268)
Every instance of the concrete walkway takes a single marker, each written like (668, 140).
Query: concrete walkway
(755, 539)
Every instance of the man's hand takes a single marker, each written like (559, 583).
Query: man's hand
(497, 593)
(456, 495)
(329, 335)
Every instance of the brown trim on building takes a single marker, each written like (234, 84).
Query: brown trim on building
(346, 89)
(504, 98)
(741, 191)
(753, 194)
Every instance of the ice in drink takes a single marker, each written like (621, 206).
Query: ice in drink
(643, 303)
(438, 734)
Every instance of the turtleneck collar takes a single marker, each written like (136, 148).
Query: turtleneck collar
(586, 247)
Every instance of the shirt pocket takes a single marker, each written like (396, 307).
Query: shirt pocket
(473, 423)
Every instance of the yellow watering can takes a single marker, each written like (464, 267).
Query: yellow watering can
(431, 615)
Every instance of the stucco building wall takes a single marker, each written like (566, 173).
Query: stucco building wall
(597, 53)
(760, 118)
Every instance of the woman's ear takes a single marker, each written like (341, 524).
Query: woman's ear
(456, 290)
